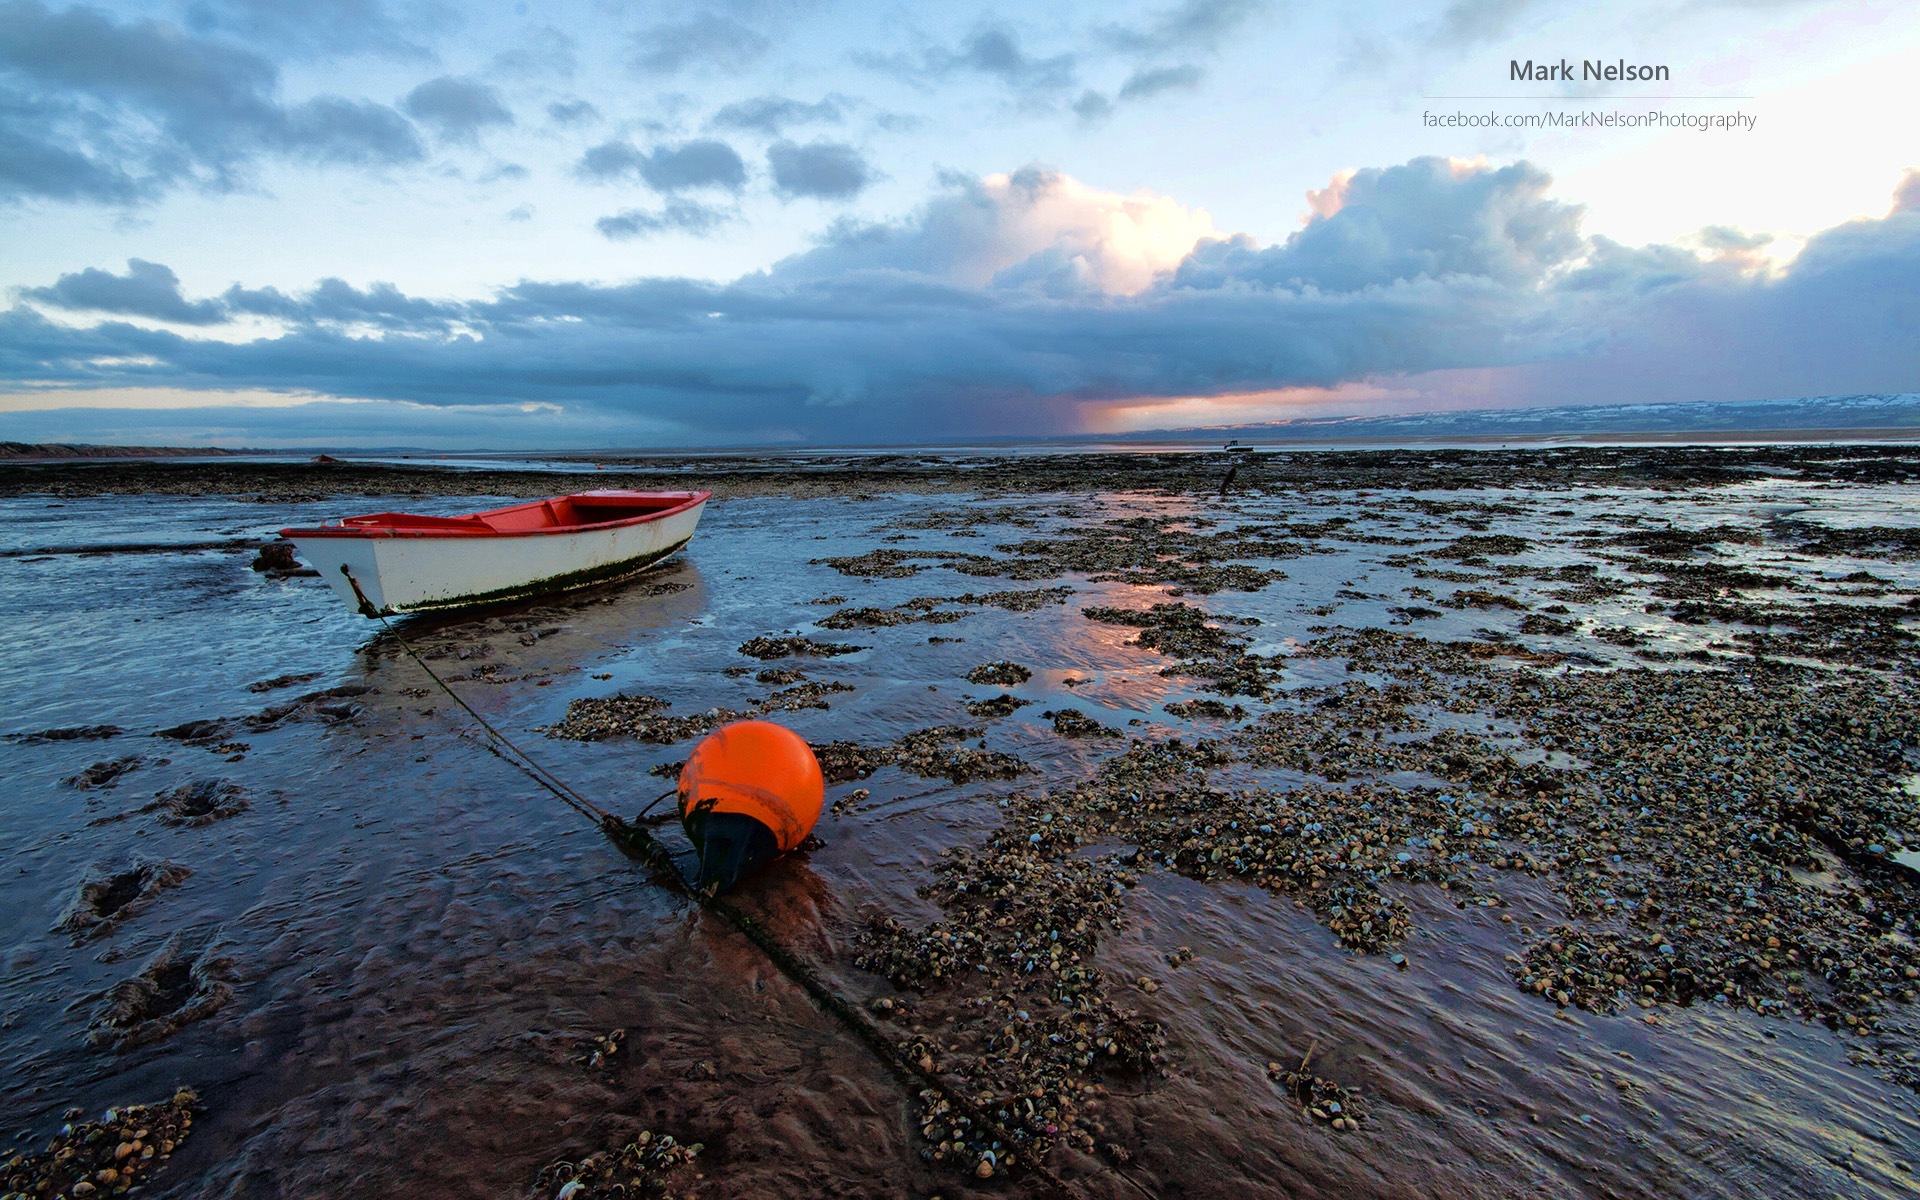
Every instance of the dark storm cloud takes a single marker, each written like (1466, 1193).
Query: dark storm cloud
(671, 168)
(864, 359)
(146, 290)
(94, 109)
(824, 170)
(679, 216)
(889, 332)
(389, 423)
(708, 40)
(458, 108)
(772, 115)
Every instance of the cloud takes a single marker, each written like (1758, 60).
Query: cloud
(671, 168)
(458, 108)
(1906, 197)
(996, 51)
(1200, 24)
(257, 419)
(146, 290)
(1031, 302)
(699, 164)
(310, 29)
(1142, 84)
(992, 51)
(1837, 320)
(1431, 218)
(94, 109)
(36, 166)
(572, 112)
(542, 51)
(1092, 107)
(707, 40)
(331, 129)
(1024, 231)
(1469, 22)
(610, 162)
(823, 170)
(679, 216)
(772, 115)
(336, 304)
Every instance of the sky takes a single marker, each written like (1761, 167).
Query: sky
(596, 224)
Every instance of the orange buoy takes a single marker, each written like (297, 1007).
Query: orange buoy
(750, 791)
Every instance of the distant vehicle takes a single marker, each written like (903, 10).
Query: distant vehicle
(388, 563)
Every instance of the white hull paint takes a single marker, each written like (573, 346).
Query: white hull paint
(414, 574)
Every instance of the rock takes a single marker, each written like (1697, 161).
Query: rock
(276, 556)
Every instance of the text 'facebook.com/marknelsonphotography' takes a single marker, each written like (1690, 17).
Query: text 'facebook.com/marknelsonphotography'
(1591, 118)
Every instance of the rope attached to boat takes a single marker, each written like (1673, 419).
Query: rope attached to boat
(637, 843)
(608, 822)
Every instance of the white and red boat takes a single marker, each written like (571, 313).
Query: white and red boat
(403, 563)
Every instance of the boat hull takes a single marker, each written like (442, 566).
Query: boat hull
(406, 574)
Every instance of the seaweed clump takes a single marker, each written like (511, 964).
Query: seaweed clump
(1004, 673)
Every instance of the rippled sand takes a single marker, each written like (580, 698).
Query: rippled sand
(395, 951)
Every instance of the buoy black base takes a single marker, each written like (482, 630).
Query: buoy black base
(731, 846)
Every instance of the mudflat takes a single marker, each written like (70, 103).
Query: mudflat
(1392, 822)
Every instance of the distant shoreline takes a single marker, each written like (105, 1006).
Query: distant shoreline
(1199, 439)
(854, 474)
(80, 452)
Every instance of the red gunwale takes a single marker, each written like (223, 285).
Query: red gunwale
(479, 525)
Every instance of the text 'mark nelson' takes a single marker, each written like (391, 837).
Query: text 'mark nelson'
(1590, 69)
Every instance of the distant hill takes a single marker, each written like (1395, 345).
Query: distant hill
(15, 451)
(1824, 414)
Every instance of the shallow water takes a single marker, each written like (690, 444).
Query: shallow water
(422, 942)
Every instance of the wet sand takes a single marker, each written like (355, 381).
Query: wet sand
(1547, 812)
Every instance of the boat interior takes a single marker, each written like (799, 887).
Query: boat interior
(562, 512)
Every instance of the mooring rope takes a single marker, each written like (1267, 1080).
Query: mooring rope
(520, 758)
(634, 841)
